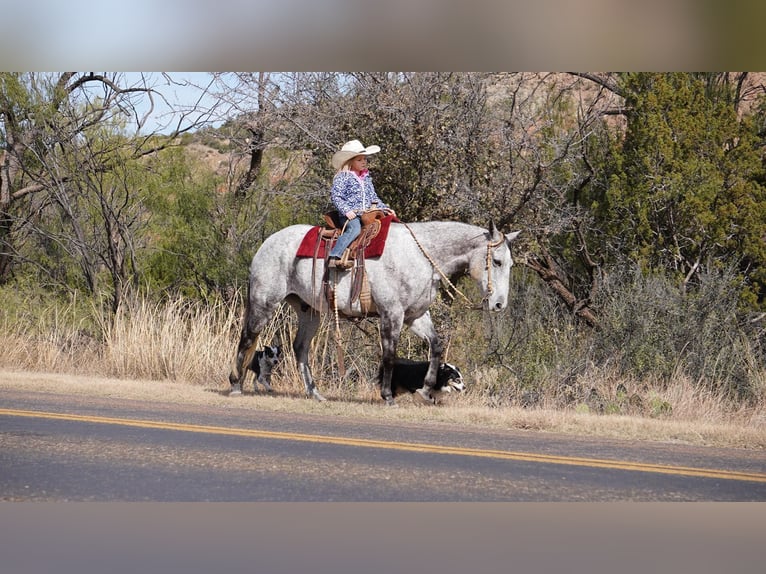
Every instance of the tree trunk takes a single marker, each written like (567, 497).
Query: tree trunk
(6, 221)
(256, 144)
(546, 269)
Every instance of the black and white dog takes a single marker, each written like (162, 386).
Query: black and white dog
(408, 376)
(263, 364)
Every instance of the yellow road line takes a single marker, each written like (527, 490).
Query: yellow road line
(402, 446)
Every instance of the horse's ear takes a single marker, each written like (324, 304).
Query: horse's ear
(493, 233)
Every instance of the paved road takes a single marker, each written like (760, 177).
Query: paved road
(53, 448)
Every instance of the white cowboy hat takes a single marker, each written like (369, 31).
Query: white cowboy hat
(349, 150)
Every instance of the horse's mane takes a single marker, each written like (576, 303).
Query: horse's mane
(447, 232)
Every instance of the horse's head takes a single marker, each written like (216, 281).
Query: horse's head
(491, 268)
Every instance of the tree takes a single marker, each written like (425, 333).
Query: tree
(686, 193)
(430, 126)
(70, 180)
(202, 235)
(541, 165)
(549, 151)
(433, 127)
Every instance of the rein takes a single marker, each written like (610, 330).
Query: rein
(488, 267)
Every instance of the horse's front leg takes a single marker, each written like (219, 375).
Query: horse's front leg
(390, 329)
(423, 327)
(308, 324)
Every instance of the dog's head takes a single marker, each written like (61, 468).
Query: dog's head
(448, 378)
(271, 355)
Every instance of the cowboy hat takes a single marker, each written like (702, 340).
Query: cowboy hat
(349, 150)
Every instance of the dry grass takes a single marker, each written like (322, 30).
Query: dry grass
(187, 349)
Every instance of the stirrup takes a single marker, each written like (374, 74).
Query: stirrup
(340, 264)
(345, 261)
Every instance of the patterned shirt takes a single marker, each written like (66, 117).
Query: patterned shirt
(351, 192)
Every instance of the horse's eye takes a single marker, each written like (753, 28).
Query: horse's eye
(497, 262)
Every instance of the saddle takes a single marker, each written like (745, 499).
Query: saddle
(371, 222)
(360, 288)
(370, 243)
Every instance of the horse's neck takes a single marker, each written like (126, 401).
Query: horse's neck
(449, 244)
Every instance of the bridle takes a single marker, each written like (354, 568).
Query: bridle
(488, 266)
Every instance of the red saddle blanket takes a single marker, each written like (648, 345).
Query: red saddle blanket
(374, 249)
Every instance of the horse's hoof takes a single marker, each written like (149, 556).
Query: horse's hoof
(425, 396)
(391, 403)
(235, 391)
(317, 396)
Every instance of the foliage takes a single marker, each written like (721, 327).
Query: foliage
(641, 198)
(652, 328)
(187, 254)
(686, 194)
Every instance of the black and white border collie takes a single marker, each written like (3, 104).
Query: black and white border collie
(263, 364)
(408, 377)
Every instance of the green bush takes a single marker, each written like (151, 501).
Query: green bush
(652, 327)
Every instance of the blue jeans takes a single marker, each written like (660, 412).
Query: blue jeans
(352, 230)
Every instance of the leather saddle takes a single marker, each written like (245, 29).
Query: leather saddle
(370, 229)
(360, 289)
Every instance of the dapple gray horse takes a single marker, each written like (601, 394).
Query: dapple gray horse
(403, 283)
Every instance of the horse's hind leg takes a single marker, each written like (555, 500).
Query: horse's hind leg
(423, 327)
(390, 329)
(308, 324)
(255, 320)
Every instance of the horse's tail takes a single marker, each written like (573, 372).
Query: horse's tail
(245, 348)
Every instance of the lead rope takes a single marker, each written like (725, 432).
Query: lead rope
(435, 266)
(338, 340)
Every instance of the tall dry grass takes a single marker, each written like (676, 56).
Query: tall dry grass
(178, 340)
